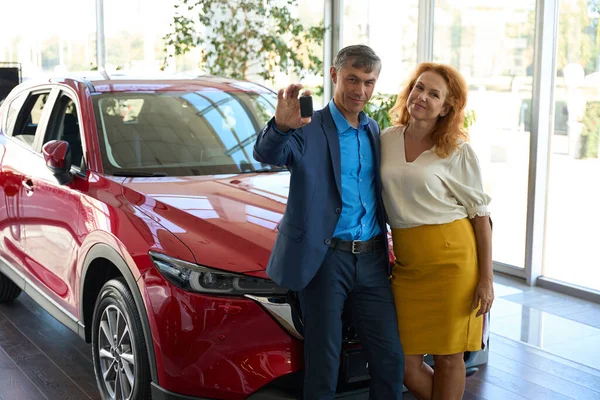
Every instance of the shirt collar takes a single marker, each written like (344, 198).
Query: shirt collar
(341, 123)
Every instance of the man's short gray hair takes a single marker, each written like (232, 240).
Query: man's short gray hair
(361, 56)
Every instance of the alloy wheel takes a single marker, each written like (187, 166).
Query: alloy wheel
(116, 354)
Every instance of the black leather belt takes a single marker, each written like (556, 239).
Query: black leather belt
(358, 246)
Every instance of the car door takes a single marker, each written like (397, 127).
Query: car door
(49, 212)
(27, 113)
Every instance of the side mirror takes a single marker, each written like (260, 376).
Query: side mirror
(57, 154)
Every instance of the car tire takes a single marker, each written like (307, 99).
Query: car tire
(118, 345)
(8, 290)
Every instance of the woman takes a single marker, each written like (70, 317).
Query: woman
(433, 197)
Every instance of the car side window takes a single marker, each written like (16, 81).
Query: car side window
(28, 118)
(12, 111)
(64, 125)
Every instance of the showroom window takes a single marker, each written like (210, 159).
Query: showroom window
(499, 79)
(390, 29)
(573, 215)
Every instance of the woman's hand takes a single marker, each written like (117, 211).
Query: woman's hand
(484, 294)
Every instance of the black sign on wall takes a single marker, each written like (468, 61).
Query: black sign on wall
(10, 76)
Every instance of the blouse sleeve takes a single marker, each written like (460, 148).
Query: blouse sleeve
(465, 183)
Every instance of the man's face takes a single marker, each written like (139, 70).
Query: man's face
(353, 88)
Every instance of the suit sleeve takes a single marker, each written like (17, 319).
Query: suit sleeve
(276, 148)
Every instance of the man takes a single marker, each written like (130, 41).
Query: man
(331, 246)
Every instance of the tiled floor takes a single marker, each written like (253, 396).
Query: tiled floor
(562, 325)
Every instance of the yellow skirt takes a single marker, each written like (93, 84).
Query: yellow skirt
(434, 280)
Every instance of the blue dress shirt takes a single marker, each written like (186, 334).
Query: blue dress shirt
(358, 220)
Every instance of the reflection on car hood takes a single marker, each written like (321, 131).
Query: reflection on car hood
(229, 222)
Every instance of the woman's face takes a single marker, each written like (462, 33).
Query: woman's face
(427, 99)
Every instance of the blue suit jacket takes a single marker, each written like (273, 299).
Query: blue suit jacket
(312, 155)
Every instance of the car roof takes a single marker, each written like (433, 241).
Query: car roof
(103, 83)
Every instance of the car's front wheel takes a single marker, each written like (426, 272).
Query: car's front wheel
(8, 289)
(118, 345)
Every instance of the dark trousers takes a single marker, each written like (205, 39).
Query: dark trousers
(362, 280)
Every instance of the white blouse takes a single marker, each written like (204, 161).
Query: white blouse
(430, 190)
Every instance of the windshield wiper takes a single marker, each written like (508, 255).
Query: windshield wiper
(133, 174)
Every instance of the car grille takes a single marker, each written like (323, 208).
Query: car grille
(286, 311)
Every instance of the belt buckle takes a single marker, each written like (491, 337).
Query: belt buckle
(354, 243)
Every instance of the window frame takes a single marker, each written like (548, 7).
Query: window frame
(41, 126)
(71, 95)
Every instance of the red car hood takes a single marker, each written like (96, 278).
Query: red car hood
(228, 222)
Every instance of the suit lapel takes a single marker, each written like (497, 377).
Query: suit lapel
(373, 130)
(333, 141)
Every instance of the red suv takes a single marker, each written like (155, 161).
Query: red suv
(134, 213)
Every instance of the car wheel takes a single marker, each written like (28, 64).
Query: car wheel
(118, 345)
(8, 290)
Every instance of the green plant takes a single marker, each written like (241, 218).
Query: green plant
(236, 35)
(591, 130)
(378, 108)
(469, 120)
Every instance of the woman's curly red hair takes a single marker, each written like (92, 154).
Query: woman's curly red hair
(449, 129)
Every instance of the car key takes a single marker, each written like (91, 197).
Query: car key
(306, 106)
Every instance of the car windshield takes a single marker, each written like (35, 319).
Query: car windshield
(206, 132)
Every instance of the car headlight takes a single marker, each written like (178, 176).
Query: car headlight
(200, 279)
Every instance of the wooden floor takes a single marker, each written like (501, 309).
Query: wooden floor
(41, 359)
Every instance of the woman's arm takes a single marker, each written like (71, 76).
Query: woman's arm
(484, 292)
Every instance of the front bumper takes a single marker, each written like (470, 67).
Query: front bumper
(214, 347)
(472, 361)
(251, 334)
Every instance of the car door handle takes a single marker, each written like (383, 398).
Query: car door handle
(28, 185)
